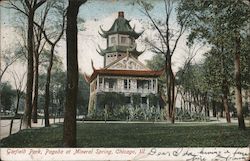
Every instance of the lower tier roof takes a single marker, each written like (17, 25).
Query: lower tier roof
(113, 72)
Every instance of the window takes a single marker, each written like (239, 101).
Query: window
(110, 82)
(113, 40)
(100, 82)
(149, 84)
(143, 84)
(125, 83)
(123, 40)
(139, 84)
(153, 84)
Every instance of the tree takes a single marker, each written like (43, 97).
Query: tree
(19, 85)
(218, 66)
(8, 58)
(29, 9)
(69, 128)
(83, 95)
(157, 63)
(32, 7)
(38, 49)
(57, 88)
(165, 44)
(7, 96)
(216, 23)
(60, 12)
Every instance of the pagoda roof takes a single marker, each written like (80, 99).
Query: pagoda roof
(114, 72)
(120, 48)
(120, 26)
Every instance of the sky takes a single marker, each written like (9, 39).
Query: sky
(97, 13)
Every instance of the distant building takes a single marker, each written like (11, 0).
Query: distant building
(122, 71)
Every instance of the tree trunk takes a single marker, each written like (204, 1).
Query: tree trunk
(29, 88)
(225, 91)
(246, 100)
(16, 111)
(35, 99)
(238, 94)
(181, 104)
(189, 102)
(225, 88)
(69, 129)
(47, 88)
(205, 104)
(221, 113)
(194, 102)
(214, 108)
(173, 97)
(170, 88)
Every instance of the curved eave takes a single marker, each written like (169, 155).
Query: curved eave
(135, 51)
(87, 77)
(104, 33)
(138, 34)
(100, 51)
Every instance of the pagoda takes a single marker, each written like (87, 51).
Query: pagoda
(122, 71)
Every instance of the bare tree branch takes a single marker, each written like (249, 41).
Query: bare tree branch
(154, 46)
(8, 65)
(145, 11)
(12, 5)
(37, 5)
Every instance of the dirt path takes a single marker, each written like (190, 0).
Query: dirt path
(5, 126)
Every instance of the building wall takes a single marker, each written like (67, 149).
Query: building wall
(103, 84)
(111, 57)
(117, 39)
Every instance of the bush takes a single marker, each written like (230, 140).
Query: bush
(104, 99)
(183, 115)
(120, 113)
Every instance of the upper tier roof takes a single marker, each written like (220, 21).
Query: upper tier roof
(119, 48)
(120, 26)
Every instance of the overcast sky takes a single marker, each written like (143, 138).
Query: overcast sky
(97, 13)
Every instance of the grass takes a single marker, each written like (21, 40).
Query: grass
(135, 135)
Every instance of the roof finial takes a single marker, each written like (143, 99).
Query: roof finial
(121, 14)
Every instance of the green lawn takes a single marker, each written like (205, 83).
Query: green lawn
(135, 135)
